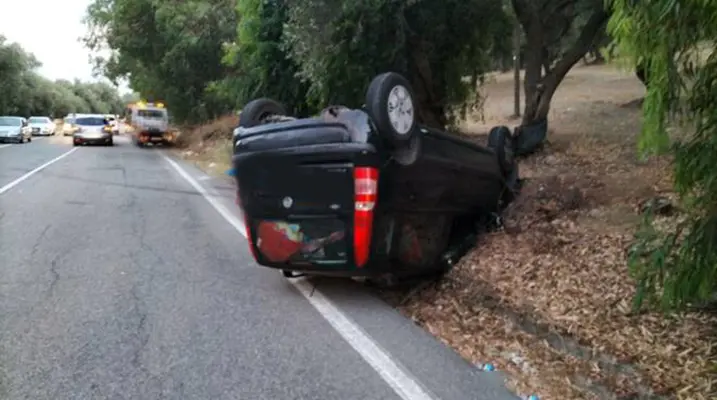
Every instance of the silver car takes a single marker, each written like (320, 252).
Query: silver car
(14, 130)
(92, 129)
(41, 126)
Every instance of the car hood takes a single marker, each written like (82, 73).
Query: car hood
(9, 130)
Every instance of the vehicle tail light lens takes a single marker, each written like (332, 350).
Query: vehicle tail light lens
(365, 196)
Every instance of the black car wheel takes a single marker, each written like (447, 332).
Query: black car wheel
(501, 141)
(257, 111)
(391, 104)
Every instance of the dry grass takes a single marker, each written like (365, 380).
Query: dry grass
(548, 299)
(209, 145)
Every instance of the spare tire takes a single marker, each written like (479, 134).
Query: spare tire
(501, 141)
(256, 112)
(391, 104)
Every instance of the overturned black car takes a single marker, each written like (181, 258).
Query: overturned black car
(364, 192)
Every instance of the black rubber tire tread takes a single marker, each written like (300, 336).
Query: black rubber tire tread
(499, 139)
(255, 111)
(376, 106)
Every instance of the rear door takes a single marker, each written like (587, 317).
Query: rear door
(300, 207)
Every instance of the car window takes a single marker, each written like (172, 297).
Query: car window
(39, 120)
(90, 121)
(10, 121)
(151, 113)
(69, 120)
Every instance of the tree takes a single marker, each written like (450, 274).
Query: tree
(674, 43)
(26, 93)
(259, 59)
(441, 46)
(169, 51)
(549, 56)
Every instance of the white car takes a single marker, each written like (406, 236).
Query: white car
(41, 126)
(14, 129)
(68, 125)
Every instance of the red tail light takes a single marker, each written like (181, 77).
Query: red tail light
(365, 196)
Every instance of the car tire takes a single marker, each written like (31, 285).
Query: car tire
(256, 111)
(501, 141)
(383, 93)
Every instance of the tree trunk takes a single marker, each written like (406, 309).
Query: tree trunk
(539, 90)
(430, 108)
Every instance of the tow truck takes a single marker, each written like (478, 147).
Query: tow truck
(149, 123)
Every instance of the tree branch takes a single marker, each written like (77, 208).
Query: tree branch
(525, 12)
(557, 6)
(582, 44)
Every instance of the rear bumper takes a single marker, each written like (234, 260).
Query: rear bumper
(155, 137)
(92, 140)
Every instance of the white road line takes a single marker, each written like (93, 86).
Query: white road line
(36, 170)
(4, 145)
(400, 380)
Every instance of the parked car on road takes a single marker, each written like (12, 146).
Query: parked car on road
(14, 129)
(92, 129)
(365, 192)
(68, 125)
(41, 126)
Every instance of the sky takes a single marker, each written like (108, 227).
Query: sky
(51, 30)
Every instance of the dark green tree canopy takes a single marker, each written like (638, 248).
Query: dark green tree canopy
(26, 93)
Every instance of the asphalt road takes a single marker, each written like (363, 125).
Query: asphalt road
(119, 279)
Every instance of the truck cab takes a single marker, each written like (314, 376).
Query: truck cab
(149, 123)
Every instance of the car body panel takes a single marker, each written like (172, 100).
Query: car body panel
(14, 129)
(295, 180)
(91, 129)
(41, 126)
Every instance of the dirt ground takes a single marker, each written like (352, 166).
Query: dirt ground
(547, 300)
(208, 146)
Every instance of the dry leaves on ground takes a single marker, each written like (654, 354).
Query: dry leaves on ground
(549, 298)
